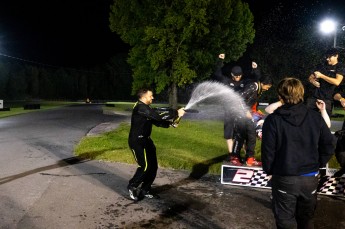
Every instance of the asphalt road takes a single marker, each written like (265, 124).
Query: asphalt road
(43, 186)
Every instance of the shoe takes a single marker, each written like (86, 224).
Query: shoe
(252, 162)
(150, 195)
(133, 192)
(234, 160)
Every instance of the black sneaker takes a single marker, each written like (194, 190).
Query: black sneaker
(133, 192)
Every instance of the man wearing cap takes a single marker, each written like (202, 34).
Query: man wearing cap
(245, 129)
(326, 79)
(236, 83)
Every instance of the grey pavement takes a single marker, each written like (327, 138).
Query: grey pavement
(43, 186)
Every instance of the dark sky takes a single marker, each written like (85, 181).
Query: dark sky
(313, 9)
(76, 32)
(58, 32)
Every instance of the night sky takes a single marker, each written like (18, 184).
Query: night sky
(76, 32)
(58, 32)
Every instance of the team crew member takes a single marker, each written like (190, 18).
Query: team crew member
(236, 83)
(340, 148)
(326, 79)
(245, 129)
(142, 146)
(296, 143)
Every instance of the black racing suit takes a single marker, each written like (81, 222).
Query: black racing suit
(142, 146)
(245, 127)
(238, 86)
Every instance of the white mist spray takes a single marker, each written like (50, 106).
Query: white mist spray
(214, 94)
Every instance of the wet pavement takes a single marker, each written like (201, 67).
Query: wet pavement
(98, 199)
(44, 186)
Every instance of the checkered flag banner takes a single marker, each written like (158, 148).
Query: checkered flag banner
(255, 177)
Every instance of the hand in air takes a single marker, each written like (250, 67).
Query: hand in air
(181, 112)
(221, 56)
(320, 104)
(342, 102)
(313, 80)
(317, 74)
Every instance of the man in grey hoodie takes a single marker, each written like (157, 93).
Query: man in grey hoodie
(296, 143)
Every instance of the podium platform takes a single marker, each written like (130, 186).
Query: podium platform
(255, 177)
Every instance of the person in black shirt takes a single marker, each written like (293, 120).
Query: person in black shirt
(141, 144)
(245, 129)
(326, 79)
(236, 83)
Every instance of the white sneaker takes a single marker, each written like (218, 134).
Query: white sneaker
(133, 193)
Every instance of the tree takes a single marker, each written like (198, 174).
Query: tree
(4, 75)
(16, 83)
(176, 42)
(47, 88)
(118, 76)
(32, 73)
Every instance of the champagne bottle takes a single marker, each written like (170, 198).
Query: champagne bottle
(176, 121)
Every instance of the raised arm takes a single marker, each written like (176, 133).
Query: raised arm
(322, 107)
(335, 81)
(256, 73)
(313, 80)
(272, 107)
(339, 98)
(218, 74)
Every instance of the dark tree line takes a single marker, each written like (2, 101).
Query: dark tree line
(287, 43)
(20, 80)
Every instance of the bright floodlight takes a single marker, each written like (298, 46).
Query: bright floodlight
(328, 26)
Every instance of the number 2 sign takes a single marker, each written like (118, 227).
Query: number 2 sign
(243, 176)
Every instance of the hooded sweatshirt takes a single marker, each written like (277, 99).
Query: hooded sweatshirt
(295, 141)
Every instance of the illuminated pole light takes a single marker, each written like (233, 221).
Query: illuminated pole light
(329, 26)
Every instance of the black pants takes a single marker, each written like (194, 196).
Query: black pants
(244, 132)
(340, 148)
(294, 201)
(144, 152)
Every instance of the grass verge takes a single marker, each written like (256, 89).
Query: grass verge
(193, 145)
(177, 148)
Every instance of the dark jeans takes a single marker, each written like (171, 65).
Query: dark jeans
(294, 201)
(144, 152)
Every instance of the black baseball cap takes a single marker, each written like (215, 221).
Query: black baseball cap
(236, 71)
(331, 52)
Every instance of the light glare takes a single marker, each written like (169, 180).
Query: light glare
(328, 26)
